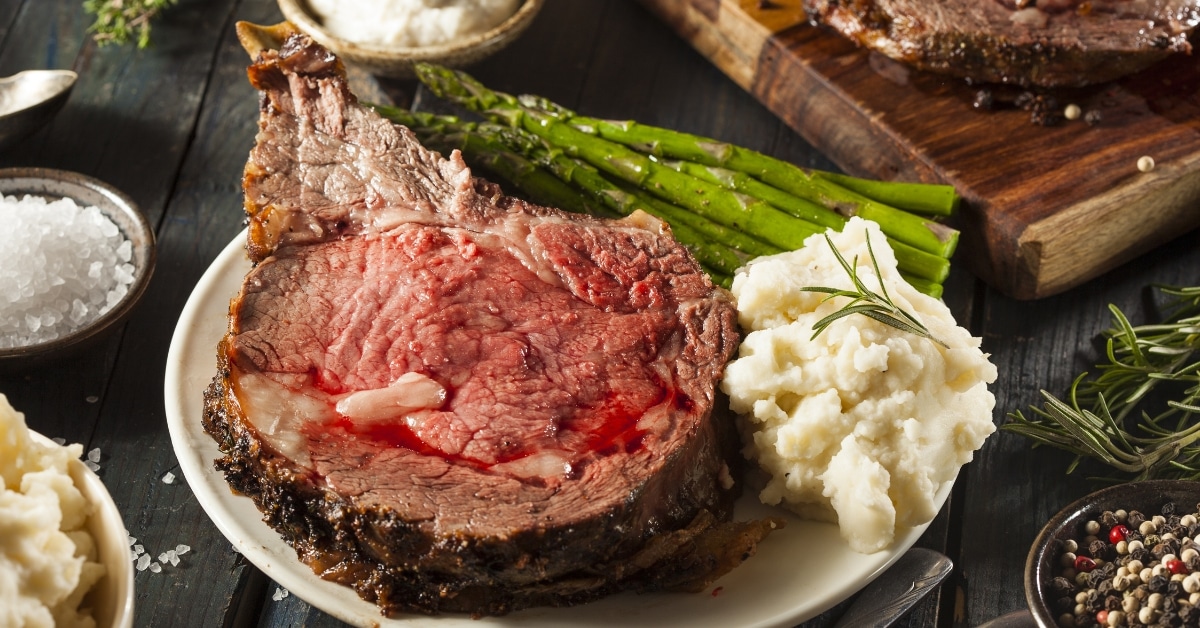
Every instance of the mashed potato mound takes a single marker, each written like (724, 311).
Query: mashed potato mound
(864, 423)
(47, 558)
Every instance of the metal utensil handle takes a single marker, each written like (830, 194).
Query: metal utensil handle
(898, 589)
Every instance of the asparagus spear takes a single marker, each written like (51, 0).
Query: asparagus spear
(939, 200)
(919, 198)
(777, 181)
(721, 205)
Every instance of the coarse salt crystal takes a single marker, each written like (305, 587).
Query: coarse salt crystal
(143, 562)
(182, 549)
(155, 567)
(63, 267)
(169, 478)
(91, 465)
(94, 455)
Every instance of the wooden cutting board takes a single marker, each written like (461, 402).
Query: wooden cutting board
(1046, 208)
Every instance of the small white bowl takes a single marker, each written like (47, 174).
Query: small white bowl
(111, 598)
(397, 62)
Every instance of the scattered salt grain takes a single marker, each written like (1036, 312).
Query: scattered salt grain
(143, 562)
(94, 455)
(59, 440)
(95, 468)
(63, 267)
(182, 549)
(155, 568)
(139, 550)
(169, 478)
(280, 593)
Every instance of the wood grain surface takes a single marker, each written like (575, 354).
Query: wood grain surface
(1047, 207)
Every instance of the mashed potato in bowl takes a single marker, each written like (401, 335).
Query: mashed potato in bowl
(48, 560)
(863, 423)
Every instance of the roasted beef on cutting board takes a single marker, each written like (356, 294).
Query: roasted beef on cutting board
(1047, 43)
(453, 400)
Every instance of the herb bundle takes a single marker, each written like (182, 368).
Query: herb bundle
(1138, 414)
(122, 21)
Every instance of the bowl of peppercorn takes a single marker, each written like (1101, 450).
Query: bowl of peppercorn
(1126, 555)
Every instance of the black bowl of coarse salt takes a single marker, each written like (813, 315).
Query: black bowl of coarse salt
(1126, 555)
(77, 256)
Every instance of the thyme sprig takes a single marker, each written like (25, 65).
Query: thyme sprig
(877, 306)
(122, 21)
(1138, 415)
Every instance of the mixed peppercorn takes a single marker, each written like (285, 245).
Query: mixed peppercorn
(1130, 569)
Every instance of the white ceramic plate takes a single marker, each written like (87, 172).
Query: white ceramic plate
(799, 571)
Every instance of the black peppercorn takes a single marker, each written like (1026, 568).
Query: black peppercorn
(1157, 584)
(1061, 586)
(1190, 615)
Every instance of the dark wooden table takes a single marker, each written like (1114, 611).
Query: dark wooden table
(171, 126)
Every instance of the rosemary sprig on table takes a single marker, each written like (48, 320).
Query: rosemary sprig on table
(1138, 414)
(877, 306)
(122, 21)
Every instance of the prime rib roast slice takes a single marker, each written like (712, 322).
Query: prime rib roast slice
(1030, 43)
(454, 400)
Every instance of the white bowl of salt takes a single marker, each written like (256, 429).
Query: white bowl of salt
(77, 258)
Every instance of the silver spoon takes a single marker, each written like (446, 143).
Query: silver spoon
(29, 99)
(898, 589)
